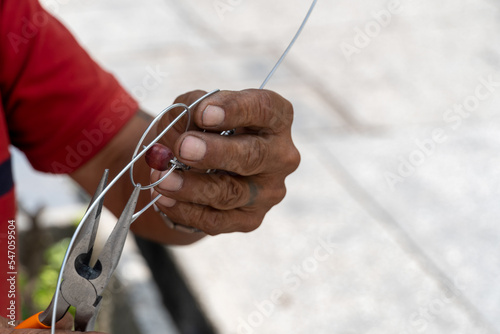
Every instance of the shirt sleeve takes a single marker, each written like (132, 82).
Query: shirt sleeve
(61, 108)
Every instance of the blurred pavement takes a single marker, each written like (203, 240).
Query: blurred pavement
(391, 221)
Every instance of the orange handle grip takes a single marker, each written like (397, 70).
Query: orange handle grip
(32, 322)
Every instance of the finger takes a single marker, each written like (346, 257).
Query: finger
(241, 154)
(219, 191)
(213, 221)
(253, 108)
(5, 323)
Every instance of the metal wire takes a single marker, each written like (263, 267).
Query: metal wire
(187, 110)
(290, 45)
(137, 155)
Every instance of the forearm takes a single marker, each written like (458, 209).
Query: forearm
(114, 157)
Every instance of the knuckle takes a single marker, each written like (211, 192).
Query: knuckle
(208, 193)
(256, 157)
(288, 106)
(230, 192)
(288, 159)
(277, 194)
(286, 114)
(252, 223)
(182, 215)
(211, 221)
(279, 115)
(265, 101)
(293, 158)
(280, 193)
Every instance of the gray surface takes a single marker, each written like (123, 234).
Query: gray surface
(397, 251)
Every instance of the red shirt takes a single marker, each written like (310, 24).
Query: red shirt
(57, 105)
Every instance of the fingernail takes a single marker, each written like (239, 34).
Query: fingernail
(212, 116)
(193, 148)
(166, 201)
(173, 182)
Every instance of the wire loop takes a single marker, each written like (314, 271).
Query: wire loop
(186, 110)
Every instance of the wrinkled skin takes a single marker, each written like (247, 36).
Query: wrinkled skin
(251, 165)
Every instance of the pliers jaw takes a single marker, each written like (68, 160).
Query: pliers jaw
(83, 283)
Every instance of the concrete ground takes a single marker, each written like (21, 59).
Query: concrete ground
(390, 222)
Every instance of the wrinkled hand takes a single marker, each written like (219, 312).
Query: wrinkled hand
(251, 165)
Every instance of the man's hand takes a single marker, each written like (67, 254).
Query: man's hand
(251, 165)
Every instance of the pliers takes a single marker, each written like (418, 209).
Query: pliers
(83, 283)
